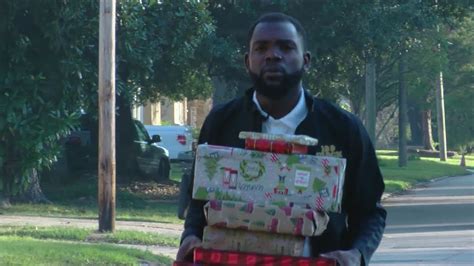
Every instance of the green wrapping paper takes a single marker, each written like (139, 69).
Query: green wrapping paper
(266, 218)
(248, 241)
(308, 181)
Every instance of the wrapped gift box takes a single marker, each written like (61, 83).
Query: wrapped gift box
(276, 146)
(235, 174)
(277, 143)
(268, 218)
(217, 257)
(248, 241)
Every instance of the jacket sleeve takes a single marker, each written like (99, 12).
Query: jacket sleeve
(366, 222)
(195, 219)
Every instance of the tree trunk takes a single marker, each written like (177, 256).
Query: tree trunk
(463, 160)
(428, 143)
(33, 193)
(4, 201)
(415, 120)
(370, 97)
(126, 166)
(402, 115)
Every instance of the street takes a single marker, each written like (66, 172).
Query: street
(430, 225)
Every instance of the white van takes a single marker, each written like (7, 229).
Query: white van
(176, 139)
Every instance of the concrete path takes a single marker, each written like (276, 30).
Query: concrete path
(159, 228)
(430, 225)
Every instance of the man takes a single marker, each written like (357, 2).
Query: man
(277, 103)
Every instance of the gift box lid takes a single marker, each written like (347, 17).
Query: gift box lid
(297, 139)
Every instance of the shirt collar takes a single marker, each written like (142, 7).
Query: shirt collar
(294, 117)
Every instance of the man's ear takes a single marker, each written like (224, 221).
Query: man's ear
(246, 61)
(307, 60)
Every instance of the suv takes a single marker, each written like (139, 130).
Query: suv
(177, 139)
(150, 159)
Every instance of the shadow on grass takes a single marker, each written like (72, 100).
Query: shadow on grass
(78, 199)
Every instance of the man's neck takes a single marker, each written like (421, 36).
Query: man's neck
(281, 107)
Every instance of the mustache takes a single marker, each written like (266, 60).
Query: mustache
(273, 68)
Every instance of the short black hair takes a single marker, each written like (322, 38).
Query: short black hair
(277, 17)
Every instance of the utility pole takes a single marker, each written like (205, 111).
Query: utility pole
(443, 154)
(106, 193)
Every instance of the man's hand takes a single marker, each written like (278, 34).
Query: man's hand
(345, 257)
(185, 251)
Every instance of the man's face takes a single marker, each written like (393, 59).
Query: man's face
(276, 60)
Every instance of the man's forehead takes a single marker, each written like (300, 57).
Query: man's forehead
(269, 31)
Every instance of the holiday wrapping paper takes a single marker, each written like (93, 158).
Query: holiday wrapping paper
(276, 146)
(277, 143)
(296, 139)
(218, 257)
(267, 218)
(235, 174)
(248, 241)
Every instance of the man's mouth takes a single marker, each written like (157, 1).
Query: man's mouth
(273, 72)
(273, 75)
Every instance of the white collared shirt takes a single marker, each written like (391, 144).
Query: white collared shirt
(286, 124)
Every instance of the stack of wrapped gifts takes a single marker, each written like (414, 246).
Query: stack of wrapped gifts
(265, 199)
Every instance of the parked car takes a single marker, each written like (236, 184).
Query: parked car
(177, 139)
(150, 159)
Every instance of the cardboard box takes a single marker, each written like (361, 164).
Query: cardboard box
(226, 173)
(267, 218)
(217, 257)
(248, 241)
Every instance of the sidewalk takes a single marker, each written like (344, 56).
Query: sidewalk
(432, 224)
(158, 228)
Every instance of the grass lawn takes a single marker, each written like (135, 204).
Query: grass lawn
(138, 201)
(88, 235)
(129, 206)
(27, 251)
(418, 169)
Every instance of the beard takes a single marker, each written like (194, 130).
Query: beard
(287, 82)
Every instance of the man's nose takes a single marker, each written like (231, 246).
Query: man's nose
(273, 54)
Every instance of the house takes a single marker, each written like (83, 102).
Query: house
(166, 111)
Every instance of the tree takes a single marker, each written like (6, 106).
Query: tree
(41, 68)
(459, 83)
(48, 70)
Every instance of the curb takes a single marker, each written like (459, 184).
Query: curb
(386, 196)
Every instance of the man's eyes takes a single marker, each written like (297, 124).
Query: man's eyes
(283, 47)
(287, 47)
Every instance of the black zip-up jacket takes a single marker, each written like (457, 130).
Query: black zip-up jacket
(362, 221)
